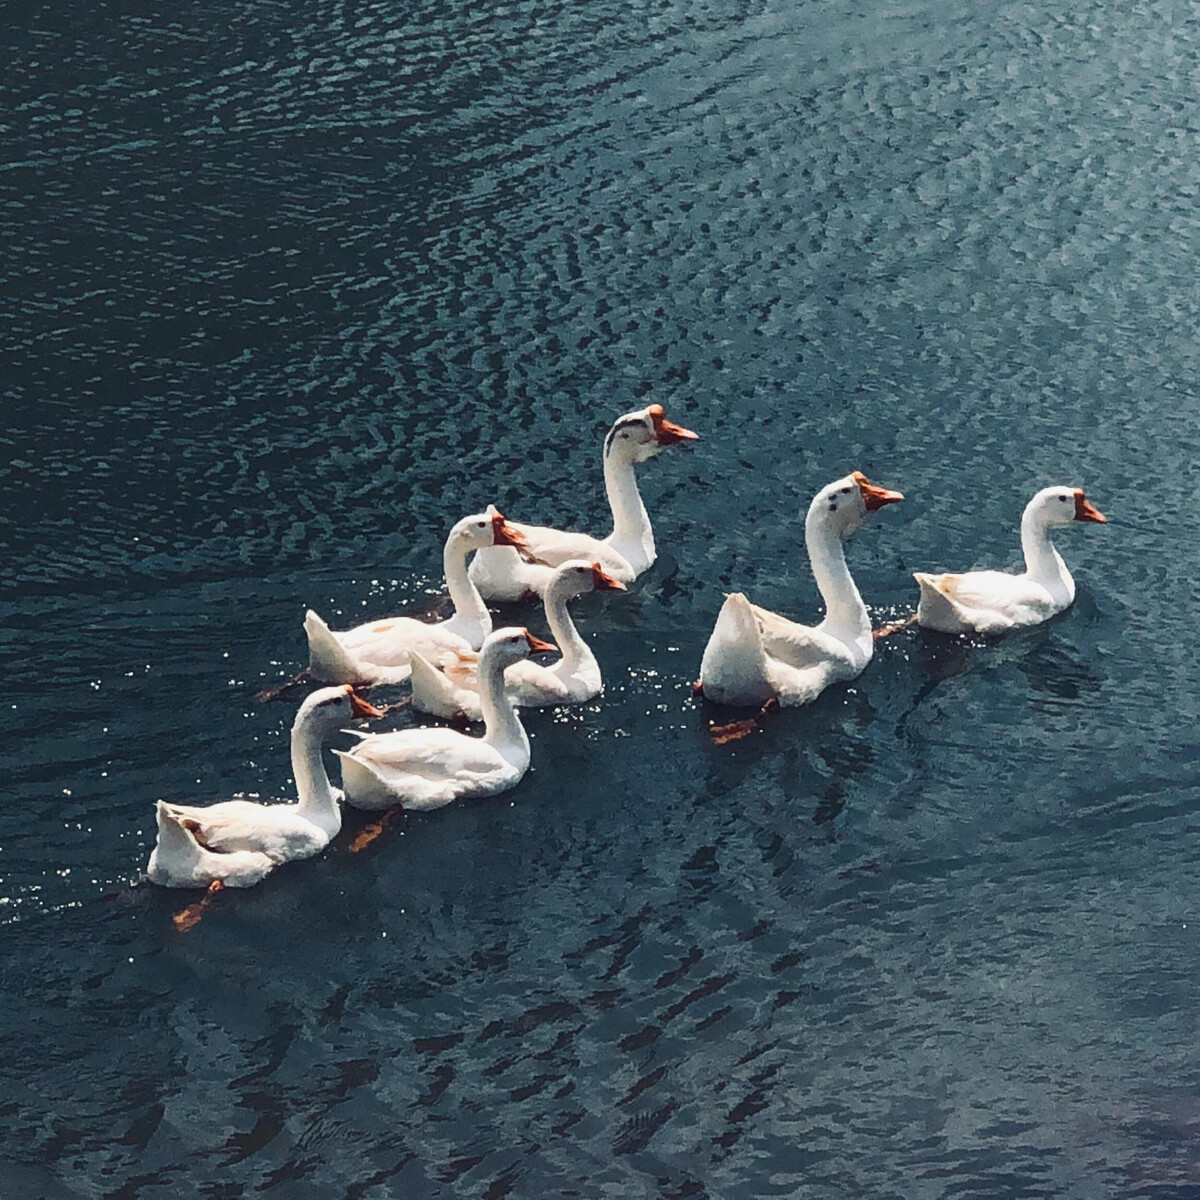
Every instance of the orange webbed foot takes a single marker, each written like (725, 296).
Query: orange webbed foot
(368, 833)
(286, 687)
(733, 731)
(736, 730)
(887, 630)
(189, 918)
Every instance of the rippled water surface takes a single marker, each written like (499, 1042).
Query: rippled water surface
(288, 288)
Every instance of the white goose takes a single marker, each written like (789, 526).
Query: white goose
(427, 768)
(628, 551)
(179, 861)
(378, 651)
(282, 831)
(574, 679)
(993, 601)
(754, 655)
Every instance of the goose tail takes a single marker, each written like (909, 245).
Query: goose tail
(937, 610)
(734, 667)
(176, 849)
(363, 785)
(327, 657)
(432, 692)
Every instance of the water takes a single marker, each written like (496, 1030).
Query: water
(287, 289)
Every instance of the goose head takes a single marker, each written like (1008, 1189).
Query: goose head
(486, 529)
(1056, 507)
(512, 644)
(841, 506)
(330, 708)
(576, 577)
(641, 435)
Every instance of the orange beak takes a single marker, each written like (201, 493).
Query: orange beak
(503, 534)
(667, 433)
(1085, 512)
(875, 497)
(604, 582)
(537, 646)
(359, 707)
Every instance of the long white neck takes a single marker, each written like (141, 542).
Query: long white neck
(1043, 563)
(469, 608)
(318, 801)
(631, 534)
(503, 728)
(845, 613)
(576, 653)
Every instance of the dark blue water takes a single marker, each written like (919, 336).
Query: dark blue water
(286, 289)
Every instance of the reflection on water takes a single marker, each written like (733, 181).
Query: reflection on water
(289, 290)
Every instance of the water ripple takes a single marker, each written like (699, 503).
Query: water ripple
(289, 290)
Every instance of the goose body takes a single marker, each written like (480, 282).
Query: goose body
(428, 768)
(179, 861)
(379, 651)
(282, 832)
(502, 575)
(575, 678)
(754, 655)
(991, 602)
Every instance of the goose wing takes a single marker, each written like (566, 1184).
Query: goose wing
(557, 546)
(274, 829)
(388, 643)
(802, 685)
(432, 754)
(796, 645)
(996, 591)
(530, 683)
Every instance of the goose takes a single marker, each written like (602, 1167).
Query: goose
(378, 651)
(993, 601)
(427, 768)
(501, 574)
(282, 832)
(754, 656)
(179, 861)
(574, 679)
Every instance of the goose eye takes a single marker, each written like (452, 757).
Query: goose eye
(845, 491)
(1063, 499)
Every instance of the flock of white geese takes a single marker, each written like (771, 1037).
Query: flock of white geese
(461, 667)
